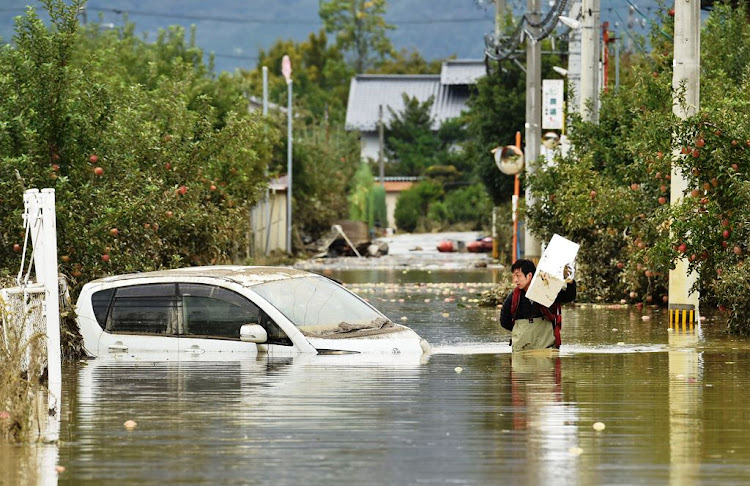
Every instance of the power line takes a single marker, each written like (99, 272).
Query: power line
(292, 21)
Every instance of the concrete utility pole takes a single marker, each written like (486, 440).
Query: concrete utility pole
(532, 246)
(683, 305)
(590, 50)
(381, 146)
(574, 58)
(499, 17)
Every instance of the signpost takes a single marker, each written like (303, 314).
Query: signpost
(286, 70)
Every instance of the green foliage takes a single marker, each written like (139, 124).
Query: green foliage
(360, 29)
(324, 163)
(148, 169)
(408, 62)
(359, 195)
(410, 142)
(413, 206)
(611, 193)
(470, 205)
(367, 200)
(321, 78)
(378, 216)
(497, 110)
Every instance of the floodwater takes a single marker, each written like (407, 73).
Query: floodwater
(673, 403)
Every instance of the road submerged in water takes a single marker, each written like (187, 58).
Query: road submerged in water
(625, 401)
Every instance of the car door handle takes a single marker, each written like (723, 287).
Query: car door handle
(117, 348)
(194, 349)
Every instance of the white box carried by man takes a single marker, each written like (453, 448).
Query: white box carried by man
(550, 274)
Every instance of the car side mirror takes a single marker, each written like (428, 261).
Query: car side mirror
(253, 333)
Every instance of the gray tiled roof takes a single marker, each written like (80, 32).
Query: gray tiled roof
(462, 71)
(449, 89)
(368, 91)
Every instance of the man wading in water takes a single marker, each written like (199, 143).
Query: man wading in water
(532, 325)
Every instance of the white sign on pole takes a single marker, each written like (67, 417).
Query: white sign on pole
(553, 93)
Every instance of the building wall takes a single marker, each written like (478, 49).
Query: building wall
(275, 207)
(370, 145)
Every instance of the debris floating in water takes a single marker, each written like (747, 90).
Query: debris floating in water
(599, 426)
(614, 329)
(458, 369)
(445, 314)
(645, 318)
(130, 424)
(59, 469)
(621, 343)
(575, 451)
(404, 318)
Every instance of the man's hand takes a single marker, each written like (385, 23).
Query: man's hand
(567, 272)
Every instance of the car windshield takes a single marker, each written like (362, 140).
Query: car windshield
(318, 306)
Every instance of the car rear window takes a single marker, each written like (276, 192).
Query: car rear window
(144, 309)
(100, 302)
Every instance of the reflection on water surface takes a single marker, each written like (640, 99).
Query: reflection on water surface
(674, 407)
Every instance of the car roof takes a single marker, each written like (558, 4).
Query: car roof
(244, 275)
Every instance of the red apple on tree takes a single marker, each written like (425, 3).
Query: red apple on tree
(700, 142)
(98, 171)
(737, 250)
(94, 159)
(682, 248)
(114, 232)
(17, 248)
(105, 258)
(662, 200)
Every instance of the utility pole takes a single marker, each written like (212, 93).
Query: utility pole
(590, 61)
(574, 58)
(499, 17)
(381, 144)
(532, 246)
(683, 305)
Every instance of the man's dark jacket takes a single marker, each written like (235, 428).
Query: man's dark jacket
(528, 309)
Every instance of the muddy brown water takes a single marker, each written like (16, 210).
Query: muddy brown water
(673, 403)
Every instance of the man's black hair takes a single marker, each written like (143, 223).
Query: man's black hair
(526, 266)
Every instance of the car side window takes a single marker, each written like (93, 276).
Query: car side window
(144, 309)
(210, 311)
(100, 302)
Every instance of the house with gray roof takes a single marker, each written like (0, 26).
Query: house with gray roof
(368, 92)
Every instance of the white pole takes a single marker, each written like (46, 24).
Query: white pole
(265, 90)
(52, 312)
(289, 169)
(590, 61)
(686, 72)
(532, 246)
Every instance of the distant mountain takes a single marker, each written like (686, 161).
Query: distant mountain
(235, 30)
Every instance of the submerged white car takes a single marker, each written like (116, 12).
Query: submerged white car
(234, 311)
